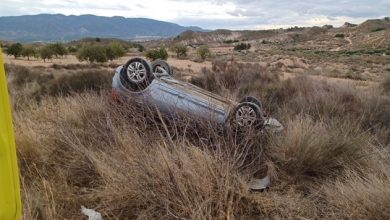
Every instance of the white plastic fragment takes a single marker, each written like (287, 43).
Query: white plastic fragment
(273, 125)
(92, 214)
(260, 184)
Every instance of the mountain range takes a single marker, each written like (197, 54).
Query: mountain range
(58, 27)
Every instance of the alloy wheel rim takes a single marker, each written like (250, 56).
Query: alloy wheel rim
(136, 72)
(246, 116)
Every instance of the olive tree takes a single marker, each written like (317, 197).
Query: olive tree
(15, 50)
(92, 53)
(28, 52)
(46, 52)
(115, 50)
(58, 49)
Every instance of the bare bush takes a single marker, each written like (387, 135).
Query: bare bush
(79, 82)
(34, 84)
(235, 78)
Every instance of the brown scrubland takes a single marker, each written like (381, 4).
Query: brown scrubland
(76, 147)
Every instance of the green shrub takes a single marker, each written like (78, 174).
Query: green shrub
(140, 48)
(230, 41)
(72, 49)
(180, 50)
(157, 54)
(242, 46)
(92, 53)
(340, 35)
(203, 52)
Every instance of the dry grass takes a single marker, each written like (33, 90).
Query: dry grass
(235, 78)
(386, 84)
(320, 100)
(36, 83)
(331, 162)
(359, 197)
(318, 149)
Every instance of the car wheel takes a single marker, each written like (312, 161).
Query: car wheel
(159, 66)
(247, 115)
(253, 100)
(136, 75)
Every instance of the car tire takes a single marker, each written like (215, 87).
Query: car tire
(162, 64)
(252, 100)
(247, 115)
(136, 74)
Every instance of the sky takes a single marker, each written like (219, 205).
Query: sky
(214, 14)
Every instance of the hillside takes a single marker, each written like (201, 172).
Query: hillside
(371, 33)
(56, 27)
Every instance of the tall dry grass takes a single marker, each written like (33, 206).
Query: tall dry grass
(36, 83)
(331, 162)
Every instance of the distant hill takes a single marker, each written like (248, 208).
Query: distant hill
(374, 25)
(57, 27)
(373, 33)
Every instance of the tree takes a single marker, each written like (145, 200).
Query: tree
(115, 50)
(28, 52)
(157, 54)
(15, 50)
(180, 50)
(59, 49)
(203, 52)
(46, 52)
(92, 53)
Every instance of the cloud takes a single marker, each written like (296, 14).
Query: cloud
(212, 14)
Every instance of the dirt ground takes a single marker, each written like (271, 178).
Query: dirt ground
(71, 59)
(290, 67)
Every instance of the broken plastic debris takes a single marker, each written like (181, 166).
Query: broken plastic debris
(92, 214)
(260, 184)
(273, 125)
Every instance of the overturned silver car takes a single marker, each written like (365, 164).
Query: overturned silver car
(153, 85)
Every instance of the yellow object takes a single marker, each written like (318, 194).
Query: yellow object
(10, 203)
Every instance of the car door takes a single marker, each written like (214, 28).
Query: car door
(167, 97)
(174, 95)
